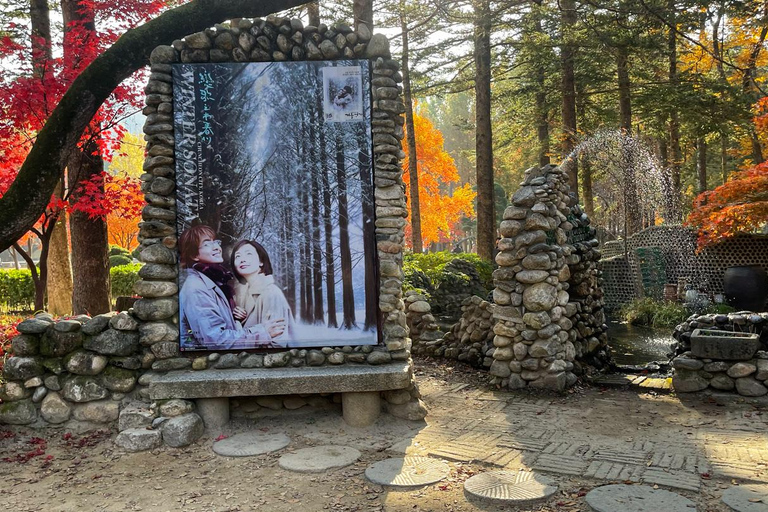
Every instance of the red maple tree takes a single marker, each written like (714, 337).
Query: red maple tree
(32, 84)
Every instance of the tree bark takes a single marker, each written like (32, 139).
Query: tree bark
(59, 286)
(40, 21)
(724, 157)
(330, 266)
(541, 114)
(347, 289)
(486, 226)
(30, 192)
(317, 262)
(676, 157)
(568, 21)
(90, 241)
(369, 229)
(90, 260)
(58, 282)
(362, 11)
(586, 183)
(701, 163)
(313, 13)
(632, 213)
(413, 160)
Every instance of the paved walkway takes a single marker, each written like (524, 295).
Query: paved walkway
(696, 447)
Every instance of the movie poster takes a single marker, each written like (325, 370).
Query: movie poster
(275, 205)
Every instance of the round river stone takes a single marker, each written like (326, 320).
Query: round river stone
(637, 498)
(510, 487)
(249, 444)
(747, 498)
(319, 458)
(407, 472)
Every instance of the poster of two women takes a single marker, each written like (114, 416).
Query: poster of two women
(275, 205)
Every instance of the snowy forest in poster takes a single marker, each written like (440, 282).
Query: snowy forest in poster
(279, 153)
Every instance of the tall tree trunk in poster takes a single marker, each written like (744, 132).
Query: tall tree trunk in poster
(306, 255)
(347, 290)
(369, 230)
(330, 268)
(315, 170)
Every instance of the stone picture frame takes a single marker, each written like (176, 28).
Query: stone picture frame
(270, 39)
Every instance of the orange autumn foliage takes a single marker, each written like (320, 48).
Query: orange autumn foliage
(738, 206)
(124, 213)
(440, 211)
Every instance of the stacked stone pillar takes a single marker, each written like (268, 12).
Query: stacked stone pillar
(534, 336)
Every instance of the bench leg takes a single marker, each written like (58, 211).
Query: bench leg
(360, 409)
(214, 411)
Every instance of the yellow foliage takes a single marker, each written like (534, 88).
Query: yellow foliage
(129, 159)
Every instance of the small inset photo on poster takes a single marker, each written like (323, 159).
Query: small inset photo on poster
(342, 91)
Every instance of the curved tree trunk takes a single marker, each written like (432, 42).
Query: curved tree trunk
(27, 197)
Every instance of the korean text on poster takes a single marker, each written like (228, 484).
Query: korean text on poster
(342, 94)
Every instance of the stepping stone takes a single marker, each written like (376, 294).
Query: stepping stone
(511, 487)
(407, 472)
(319, 458)
(249, 444)
(636, 498)
(744, 498)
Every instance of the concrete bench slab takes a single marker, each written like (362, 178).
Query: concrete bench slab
(280, 381)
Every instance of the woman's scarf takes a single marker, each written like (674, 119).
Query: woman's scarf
(220, 276)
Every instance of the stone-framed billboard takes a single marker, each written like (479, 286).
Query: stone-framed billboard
(276, 40)
(275, 206)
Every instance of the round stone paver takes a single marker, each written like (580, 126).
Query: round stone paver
(512, 487)
(319, 458)
(738, 498)
(249, 444)
(407, 472)
(637, 498)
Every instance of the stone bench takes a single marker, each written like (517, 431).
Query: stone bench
(359, 385)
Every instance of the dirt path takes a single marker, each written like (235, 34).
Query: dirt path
(696, 448)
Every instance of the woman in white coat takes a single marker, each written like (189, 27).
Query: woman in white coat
(257, 298)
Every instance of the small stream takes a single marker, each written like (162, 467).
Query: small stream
(637, 345)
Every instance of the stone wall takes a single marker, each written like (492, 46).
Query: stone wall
(748, 377)
(540, 327)
(71, 370)
(622, 278)
(470, 340)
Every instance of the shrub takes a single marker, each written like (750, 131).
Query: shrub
(118, 260)
(656, 313)
(17, 291)
(116, 250)
(123, 277)
(431, 265)
(448, 278)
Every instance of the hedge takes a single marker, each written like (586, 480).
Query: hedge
(17, 292)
